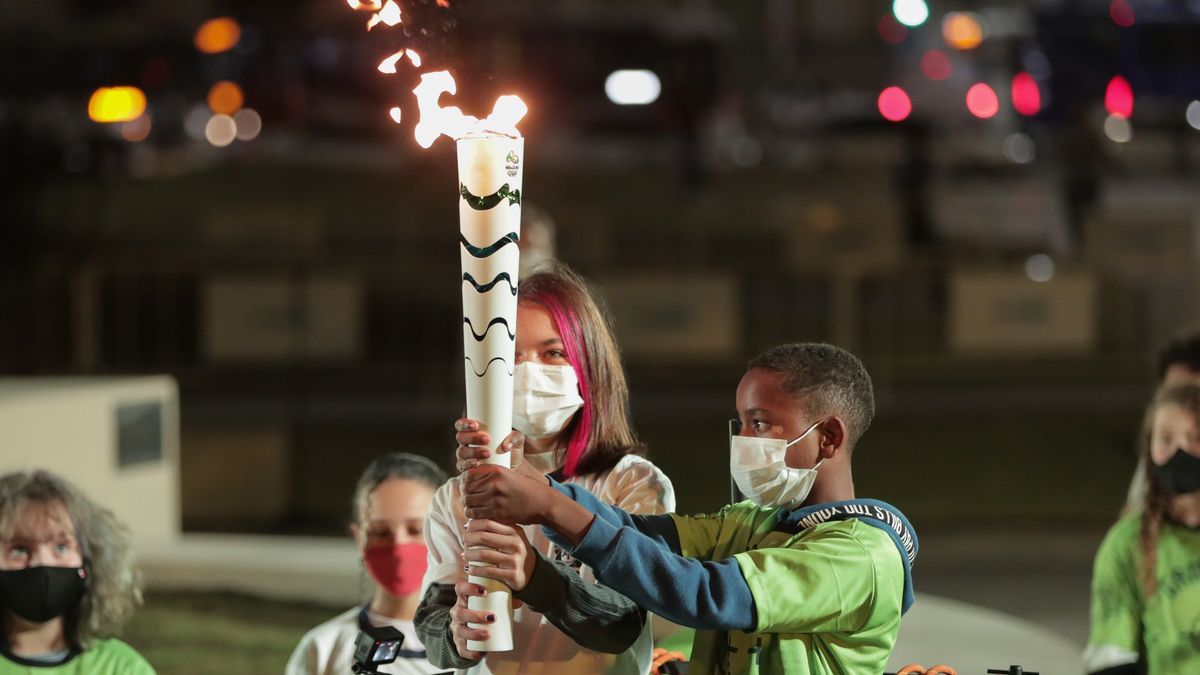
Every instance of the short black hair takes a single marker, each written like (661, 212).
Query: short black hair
(394, 465)
(1182, 350)
(828, 379)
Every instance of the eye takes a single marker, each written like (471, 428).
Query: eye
(416, 531)
(556, 354)
(759, 426)
(17, 551)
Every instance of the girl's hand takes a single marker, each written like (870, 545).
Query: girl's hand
(471, 445)
(461, 615)
(496, 493)
(508, 556)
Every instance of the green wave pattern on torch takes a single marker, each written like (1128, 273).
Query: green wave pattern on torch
(484, 288)
(489, 202)
(510, 238)
(489, 365)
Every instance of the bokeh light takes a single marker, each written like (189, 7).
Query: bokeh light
(1193, 115)
(632, 87)
(1019, 149)
(962, 30)
(911, 13)
(1118, 129)
(1118, 97)
(218, 35)
(1039, 268)
(892, 31)
(136, 131)
(935, 65)
(221, 130)
(982, 101)
(1026, 96)
(1121, 13)
(248, 123)
(894, 104)
(116, 104)
(225, 98)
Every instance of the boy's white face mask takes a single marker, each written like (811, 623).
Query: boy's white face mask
(544, 398)
(759, 469)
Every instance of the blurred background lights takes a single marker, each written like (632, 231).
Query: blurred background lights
(136, 131)
(218, 35)
(935, 64)
(1121, 13)
(1118, 97)
(982, 101)
(911, 13)
(221, 130)
(248, 123)
(1019, 149)
(632, 87)
(1039, 268)
(195, 121)
(1193, 115)
(116, 104)
(1118, 129)
(891, 30)
(894, 104)
(225, 98)
(1026, 96)
(962, 30)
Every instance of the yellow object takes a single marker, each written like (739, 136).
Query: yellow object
(218, 35)
(116, 104)
(225, 98)
(962, 30)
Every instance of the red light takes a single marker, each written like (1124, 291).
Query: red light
(892, 31)
(1118, 98)
(982, 101)
(935, 64)
(894, 104)
(1026, 97)
(1121, 13)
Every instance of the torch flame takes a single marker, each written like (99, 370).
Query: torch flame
(395, 113)
(390, 15)
(436, 121)
(414, 57)
(370, 5)
(388, 65)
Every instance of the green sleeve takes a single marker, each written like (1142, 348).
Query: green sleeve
(698, 535)
(826, 582)
(1116, 609)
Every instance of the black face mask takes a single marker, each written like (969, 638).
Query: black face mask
(39, 594)
(1180, 475)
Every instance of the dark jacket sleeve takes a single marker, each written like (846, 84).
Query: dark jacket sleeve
(593, 615)
(433, 627)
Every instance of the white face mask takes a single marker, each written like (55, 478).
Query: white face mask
(758, 468)
(544, 398)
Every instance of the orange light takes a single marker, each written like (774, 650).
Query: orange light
(225, 98)
(218, 35)
(116, 104)
(962, 30)
(443, 3)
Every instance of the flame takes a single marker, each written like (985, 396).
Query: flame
(414, 57)
(388, 65)
(369, 5)
(443, 3)
(436, 121)
(395, 113)
(390, 15)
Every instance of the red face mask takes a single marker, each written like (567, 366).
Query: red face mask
(398, 569)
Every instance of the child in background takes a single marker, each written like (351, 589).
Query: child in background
(67, 581)
(390, 505)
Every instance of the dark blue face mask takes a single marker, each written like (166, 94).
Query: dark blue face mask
(39, 594)
(1180, 475)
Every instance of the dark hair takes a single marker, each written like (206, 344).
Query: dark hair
(1156, 500)
(829, 380)
(1181, 350)
(395, 465)
(600, 434)
(114, 588)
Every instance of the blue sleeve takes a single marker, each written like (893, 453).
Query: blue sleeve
(639, 557)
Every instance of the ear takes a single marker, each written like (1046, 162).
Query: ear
(835, 438)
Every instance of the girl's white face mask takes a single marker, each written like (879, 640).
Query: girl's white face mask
(544, 398)
(759, 469)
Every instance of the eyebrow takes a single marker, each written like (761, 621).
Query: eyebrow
(754, 411)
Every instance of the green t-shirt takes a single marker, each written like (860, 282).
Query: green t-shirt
(828, 599)
(104, 657)
(1164, 629)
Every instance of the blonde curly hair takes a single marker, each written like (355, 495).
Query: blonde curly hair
(113, 582)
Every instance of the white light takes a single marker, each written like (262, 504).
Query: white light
(1019, 149)
(632, 87)
(1193, 114)
(195, 121)
(249, 124)
(1117, 129)
(1040, 268)
(220, 130)
(911, 13)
